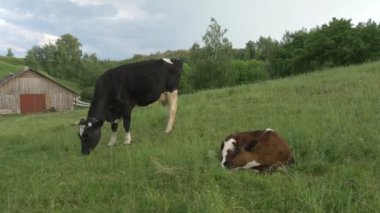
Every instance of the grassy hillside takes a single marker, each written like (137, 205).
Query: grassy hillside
(10, 64)
(330, 119)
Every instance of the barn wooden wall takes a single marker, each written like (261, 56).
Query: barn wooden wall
(32, 83)
(8, 104)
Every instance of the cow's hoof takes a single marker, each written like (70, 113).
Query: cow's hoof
(112, 142)
(127, 142)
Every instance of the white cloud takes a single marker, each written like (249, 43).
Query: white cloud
(88, 2)
(47, 39)
(131, 13)
(120, 28)
(21, 39)
(128, 10)
(15, 14)
(367, 12)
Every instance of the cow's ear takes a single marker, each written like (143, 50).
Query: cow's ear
(251, 146)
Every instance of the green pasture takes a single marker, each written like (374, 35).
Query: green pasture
(330, 118)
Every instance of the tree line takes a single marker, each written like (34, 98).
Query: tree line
(64, 59)
(215, 63)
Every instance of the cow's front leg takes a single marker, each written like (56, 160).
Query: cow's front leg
(127, 125)
(114, 126)
(171, 98)
(128, 138)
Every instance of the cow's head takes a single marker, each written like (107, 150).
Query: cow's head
(89, 134)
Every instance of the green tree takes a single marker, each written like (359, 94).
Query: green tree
(370, 35)
(47, 59)
(265, 47)
(64, 60)
(296, 54)
(250, 49)
(67, 57)
(90, 69)
(210, 63)
(336, 43)
(41, 58)
(239, 54)
(10, 53)
(331, 44)
(32, 58)
(216, 43)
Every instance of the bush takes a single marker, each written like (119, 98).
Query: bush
(87, 93)
(185, 84)
(248, 71)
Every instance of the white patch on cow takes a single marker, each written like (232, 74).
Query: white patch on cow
(81, 129)
(128, 138)
(171, 99)
(89, 124)
(113, 135)
(113, 139)
(250, 165)
(269, 130)
(228, 145)
(167, 60)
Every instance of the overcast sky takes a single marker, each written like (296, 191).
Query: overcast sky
(117, 29)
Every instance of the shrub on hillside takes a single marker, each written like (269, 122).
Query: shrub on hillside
(248, 71)
(87, 93)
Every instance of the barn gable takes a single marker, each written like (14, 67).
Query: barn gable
(30, 91)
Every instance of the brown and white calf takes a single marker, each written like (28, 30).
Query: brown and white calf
(261, 150)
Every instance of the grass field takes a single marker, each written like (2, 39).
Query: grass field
(330, 118)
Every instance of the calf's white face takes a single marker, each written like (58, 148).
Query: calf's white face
(227, 146)
(235, 157)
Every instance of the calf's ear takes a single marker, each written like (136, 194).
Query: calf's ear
(251, 146)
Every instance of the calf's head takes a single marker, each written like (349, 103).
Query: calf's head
(89, 134)
(261, 150)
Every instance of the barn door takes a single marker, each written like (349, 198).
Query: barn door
(31, 103)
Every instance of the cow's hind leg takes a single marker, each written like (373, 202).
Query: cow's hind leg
(163, 99)
(171, 98)
(114, 126)
(127, 125)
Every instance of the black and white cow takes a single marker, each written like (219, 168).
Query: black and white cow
(120, 89)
